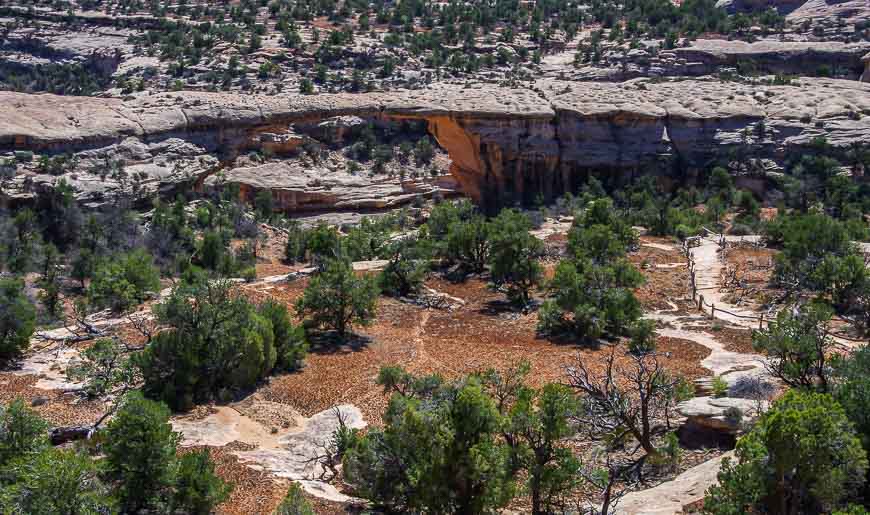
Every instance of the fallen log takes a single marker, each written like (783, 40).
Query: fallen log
(66, 434)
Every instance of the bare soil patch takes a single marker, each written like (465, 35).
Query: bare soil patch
(57, 407)
(753, 264)
(666, 274)
(484, 333)
(734, 339)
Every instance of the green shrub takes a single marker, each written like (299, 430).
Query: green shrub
(22, 432)
(215, 344)
(336, 299)
(550, 318)
(407, 267)
(294, 503)
(290, 344)
(55, 481)
(514, 255)
(643, 337)
(196, 488)
(447, 439)
(801, 457)
(468, 243)
(719, 386)
(17, 319)
(297, 243)
(249, 274)
(141, 458)
(140, 453)
(123, 281)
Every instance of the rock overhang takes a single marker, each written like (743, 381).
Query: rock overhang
(503, 142)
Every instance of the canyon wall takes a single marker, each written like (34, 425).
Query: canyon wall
(507, 145)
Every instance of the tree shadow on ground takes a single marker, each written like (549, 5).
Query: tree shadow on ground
(500, 307)
(569, 339)
(329, 342)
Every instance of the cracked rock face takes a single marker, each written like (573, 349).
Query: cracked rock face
(505, 144)
(102, 50)
(715, 57)
(849, 11)
(296, 187)
(131, 167)
(786, 57)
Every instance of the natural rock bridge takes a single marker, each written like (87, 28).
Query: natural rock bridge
(505, 144)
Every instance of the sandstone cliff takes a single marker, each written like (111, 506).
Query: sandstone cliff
(505, 144)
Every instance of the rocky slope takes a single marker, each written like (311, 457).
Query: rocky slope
(505, 144)
(717, 57)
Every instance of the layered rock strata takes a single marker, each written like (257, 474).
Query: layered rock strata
(787, 57)
(719, 56)
(506, 144)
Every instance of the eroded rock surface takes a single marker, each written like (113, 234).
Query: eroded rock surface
(720, 414)
(297, 457)
(847, 12)
(865, 77)
(672, 496)
(296, 187)
(505, 144)
(716, 57)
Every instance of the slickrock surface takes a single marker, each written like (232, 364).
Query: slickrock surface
(671, 496)
(798, 57)
(712, 413)
(298, 452)
(715, 57)
(849, 11)
(296, 187)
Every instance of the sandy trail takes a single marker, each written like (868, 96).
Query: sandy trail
(690, 486)
(730, 365)
(708, 273)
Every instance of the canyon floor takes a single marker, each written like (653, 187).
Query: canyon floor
(256, 118)
(276, 432)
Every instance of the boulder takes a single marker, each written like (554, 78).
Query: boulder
(279, 143)
(713, 413)
(334, 131)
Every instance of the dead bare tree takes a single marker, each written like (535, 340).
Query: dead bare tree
(734, 277)
(332, 451)
(144, 325)
(612, 481)
(626, 400)
(105, 368)
(107, 372)
(79, 328)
